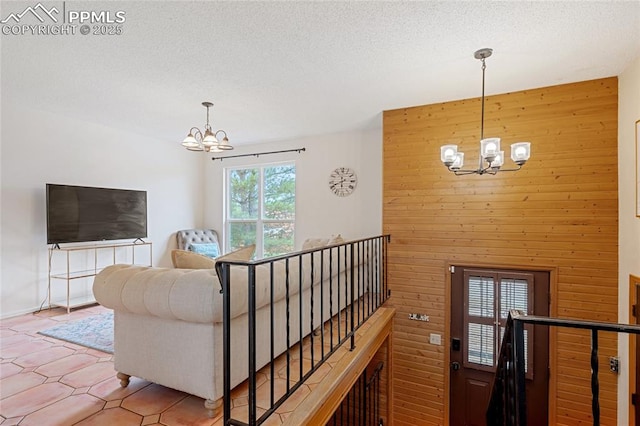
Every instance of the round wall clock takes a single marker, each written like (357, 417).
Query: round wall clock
(343, 181)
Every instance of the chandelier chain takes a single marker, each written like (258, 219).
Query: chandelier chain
(484, 67)
(207, 126)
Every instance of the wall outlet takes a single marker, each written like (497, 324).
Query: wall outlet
(435, 339)
(419, 317)
(614, 364)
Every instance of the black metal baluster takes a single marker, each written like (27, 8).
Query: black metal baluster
(376, 273)
(311, 315)
(338, 291)
(322, 302)
(331, 297)
(301, 311)
(286, 281)
(518, 362)
(353, 334)
(226, 338)
(349, 403)
(362, 398)
(360, 295)
(385, 293)
(271, 330)
(379, 277)
(370, 295)
(252, 343)
(595, 386)
(376, 411)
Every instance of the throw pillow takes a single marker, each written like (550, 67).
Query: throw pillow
(244, 253)
(335, 239)
(311, 243)
(183, 259)
(207, 249)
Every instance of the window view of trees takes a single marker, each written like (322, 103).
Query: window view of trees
(261, 209)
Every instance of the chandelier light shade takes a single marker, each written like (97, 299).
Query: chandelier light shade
(491, 156)
(206, 141)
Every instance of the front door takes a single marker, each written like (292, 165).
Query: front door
(480, 303)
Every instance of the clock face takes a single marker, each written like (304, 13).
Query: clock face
(343, 181)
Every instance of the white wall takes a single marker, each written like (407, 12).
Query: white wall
(60, 149)
(40, 147)
(319, 213)
(629, 224)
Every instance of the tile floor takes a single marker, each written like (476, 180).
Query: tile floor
(45, 381)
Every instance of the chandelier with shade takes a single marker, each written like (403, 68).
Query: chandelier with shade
(207, 141)
(491, 156)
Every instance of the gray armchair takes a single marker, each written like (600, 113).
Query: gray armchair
(186, 237)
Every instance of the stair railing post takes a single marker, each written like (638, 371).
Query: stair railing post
(226, 340)
(352, 277)
(252, 343)
(519, 364)
(595, 385)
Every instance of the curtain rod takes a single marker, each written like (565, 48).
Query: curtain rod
(258, 154)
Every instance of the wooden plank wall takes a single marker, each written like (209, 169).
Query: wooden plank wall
(559, 212)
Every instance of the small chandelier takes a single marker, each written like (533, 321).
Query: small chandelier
(207, 141)
(491, 158)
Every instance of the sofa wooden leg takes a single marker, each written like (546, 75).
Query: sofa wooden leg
(124, 379)
(213, 407)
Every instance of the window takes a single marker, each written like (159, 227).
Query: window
(261, 208)
(489, 296)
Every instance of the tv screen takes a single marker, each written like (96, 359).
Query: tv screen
(81, 213)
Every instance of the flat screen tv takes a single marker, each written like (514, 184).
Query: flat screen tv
(82, 214)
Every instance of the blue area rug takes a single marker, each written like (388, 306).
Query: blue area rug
(93, 332)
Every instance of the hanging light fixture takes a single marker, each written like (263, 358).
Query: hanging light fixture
(207, 141)
(491, 157)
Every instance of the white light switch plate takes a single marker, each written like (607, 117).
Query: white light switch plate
(434, 339)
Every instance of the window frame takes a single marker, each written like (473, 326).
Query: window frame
(260, 221)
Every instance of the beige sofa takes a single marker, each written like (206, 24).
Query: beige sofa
(168, 322)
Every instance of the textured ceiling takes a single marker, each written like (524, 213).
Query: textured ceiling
(281, 70)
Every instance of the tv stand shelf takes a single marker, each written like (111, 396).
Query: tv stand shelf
(69, 274)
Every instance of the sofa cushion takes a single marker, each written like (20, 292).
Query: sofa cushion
(207, 249)
(183, 259)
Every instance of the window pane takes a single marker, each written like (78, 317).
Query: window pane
(480, 346)
(513, 295)
(526, 347)
(481, 296)
(279, 193)
(241, 234)
(278, 238)
(243, 194)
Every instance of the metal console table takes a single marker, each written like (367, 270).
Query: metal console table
(70, 275)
